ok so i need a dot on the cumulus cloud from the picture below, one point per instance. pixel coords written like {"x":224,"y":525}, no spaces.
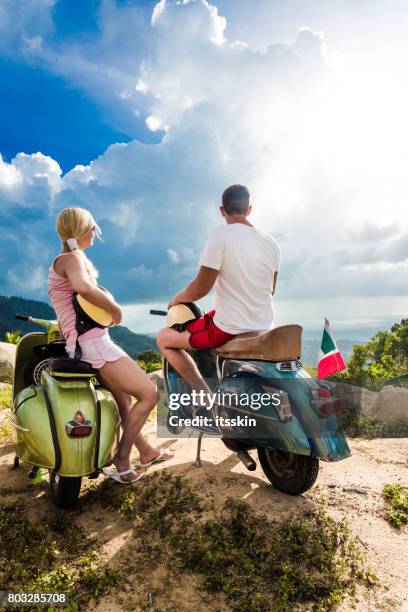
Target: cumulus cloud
{"x":277,"y":119}
{"x":29,"y":180}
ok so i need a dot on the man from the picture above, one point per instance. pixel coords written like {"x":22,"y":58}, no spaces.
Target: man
{"x":242,"y":262}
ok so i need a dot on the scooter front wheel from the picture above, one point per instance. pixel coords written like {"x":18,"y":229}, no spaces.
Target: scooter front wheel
{"x":66,"y":491}
{"x":288,"y":472}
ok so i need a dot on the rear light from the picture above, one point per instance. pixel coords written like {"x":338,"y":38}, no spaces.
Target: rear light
{"x":79,"y":427}
{"x":324,"y":403}
{"x":78,"y":431}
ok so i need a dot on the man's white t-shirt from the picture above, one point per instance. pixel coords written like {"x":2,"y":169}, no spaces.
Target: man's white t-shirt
{"x":247,"y":259}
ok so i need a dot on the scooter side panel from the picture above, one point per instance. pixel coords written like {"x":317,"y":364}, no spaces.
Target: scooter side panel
{"x":66,"y":397}
{"x":286,"y":436}
{"x":325,"y":436}
{"x":32,"y":435}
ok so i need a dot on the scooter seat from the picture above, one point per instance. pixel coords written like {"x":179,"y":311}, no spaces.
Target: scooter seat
{"x":66,"y":366}
{"x":280,"y":344}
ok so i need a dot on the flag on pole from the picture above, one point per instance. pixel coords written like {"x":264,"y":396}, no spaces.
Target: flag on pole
{"x":330,"y":359}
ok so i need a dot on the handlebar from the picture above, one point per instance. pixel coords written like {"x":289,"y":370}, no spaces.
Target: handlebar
{"x":41,"y":322}
{"x":161,"y":313}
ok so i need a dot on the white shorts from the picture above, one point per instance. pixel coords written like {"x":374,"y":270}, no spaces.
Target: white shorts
{"x":98,"y":351}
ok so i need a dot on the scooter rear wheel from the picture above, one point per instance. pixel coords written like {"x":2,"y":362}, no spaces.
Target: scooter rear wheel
{"x":66,"y":491}
{"x":290,"y":473}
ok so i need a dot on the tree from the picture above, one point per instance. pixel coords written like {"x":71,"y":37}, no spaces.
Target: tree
{"x":150,"y":356}
{"x":384,"y":356}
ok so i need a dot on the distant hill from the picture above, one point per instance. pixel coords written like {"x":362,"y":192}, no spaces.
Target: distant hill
{"x":132,"y":343}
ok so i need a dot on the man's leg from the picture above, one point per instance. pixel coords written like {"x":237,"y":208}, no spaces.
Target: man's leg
{"x":173,"y":345}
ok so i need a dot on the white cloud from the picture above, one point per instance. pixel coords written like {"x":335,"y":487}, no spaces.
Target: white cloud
{"x":29,"y":180}
{"x":173,"y":256}
{"x":28,"y":278}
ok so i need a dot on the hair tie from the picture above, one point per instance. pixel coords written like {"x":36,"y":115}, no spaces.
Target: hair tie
{"x":72,"y":243}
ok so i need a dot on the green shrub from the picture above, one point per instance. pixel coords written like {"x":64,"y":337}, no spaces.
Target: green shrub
{"x":257,"y":564}
{"x":5,"y":398}
{"x":149,"y":366}
{"x":13,"y":337}
{"x":396,"y":499}
{"x":51,"y":557}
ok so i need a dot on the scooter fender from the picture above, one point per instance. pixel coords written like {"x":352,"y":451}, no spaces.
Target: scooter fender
{"x":47,"y":411}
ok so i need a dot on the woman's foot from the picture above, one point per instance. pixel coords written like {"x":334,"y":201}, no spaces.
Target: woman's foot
{"x":154,"y":455}
{"x":125,"y":470}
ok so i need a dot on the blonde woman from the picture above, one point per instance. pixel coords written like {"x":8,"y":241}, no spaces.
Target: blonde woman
{"x":72,"y":271}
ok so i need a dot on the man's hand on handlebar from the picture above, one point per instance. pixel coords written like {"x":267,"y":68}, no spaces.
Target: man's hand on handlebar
{"x":173,"y":302}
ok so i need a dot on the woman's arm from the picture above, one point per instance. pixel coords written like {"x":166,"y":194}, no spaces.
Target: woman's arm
{"x":74,"y":268}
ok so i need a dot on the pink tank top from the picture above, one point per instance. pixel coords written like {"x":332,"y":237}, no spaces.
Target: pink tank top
{"x":60,"y":291}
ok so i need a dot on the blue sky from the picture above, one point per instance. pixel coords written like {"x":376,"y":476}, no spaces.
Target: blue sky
{"x":83,"y":134}
{"x":144,"y":111}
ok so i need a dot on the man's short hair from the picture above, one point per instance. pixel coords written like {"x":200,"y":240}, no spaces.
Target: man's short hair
{"x":235,"y":199}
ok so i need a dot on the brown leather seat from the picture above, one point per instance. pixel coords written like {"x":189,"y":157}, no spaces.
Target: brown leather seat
{"x":279,"y":344}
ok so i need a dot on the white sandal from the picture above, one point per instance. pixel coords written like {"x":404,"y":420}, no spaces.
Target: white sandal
{"x":117,"y":476}
{"x":163,"y":451}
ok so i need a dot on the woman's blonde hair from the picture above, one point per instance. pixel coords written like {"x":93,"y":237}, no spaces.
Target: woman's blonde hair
{"x":75,"y":222}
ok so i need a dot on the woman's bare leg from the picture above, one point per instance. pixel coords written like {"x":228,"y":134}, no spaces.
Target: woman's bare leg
{"x":125,"y":402}
{"x":126,"y":376}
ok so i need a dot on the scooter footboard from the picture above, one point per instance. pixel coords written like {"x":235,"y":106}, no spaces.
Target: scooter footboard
{"x":46,"y":416}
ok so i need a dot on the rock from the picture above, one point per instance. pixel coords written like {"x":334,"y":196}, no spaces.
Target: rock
{"x":368,"y":400}
{"x":391,"y":406}
{"x":157,"y":378}
{"x":7,"y":359}
{"x":356,"y":400}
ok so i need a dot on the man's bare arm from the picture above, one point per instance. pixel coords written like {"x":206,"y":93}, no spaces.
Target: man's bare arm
{"x":198,"y":288}
{"x":275,"y":278}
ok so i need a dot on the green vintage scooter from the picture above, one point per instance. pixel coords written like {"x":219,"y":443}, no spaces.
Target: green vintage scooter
{"x":63,"y":419}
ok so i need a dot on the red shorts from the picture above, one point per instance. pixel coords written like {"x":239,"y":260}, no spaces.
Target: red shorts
{"x":205,"y":334}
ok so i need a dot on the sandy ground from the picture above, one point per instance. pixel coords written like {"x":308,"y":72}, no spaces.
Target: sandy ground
{"x":351,"y":488}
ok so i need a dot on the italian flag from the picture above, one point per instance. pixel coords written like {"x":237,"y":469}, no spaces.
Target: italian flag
{"x":330,"y":359}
